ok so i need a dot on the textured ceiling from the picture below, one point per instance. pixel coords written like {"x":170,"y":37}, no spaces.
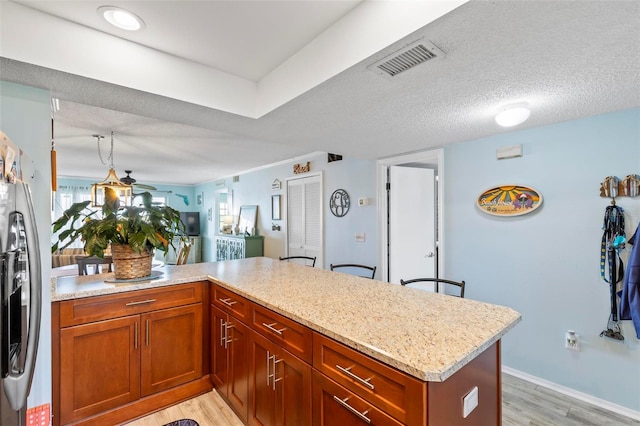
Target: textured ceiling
{"x":567,"y":59}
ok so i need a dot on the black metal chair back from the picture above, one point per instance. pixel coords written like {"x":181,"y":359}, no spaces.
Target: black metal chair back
{"x":303,"y":258}
{"x":436,"y":284}
{"x":370,"y":271}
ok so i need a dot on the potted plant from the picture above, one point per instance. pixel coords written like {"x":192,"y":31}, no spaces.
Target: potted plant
{"x":132,"y":233}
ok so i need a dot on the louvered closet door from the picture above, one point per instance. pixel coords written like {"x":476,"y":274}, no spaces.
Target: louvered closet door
{"x":304,"y":217}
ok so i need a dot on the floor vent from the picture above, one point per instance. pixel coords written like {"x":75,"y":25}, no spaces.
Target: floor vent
{"x":406,"y":58}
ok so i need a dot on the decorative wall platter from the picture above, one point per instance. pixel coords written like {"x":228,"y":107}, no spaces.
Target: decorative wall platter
{"x":509,"y":200}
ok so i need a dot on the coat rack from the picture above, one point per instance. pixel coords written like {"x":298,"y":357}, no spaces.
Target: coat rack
{"x":612,"y":187}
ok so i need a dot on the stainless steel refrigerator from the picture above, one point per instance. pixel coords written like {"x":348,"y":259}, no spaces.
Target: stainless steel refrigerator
{"x":20,"y":305}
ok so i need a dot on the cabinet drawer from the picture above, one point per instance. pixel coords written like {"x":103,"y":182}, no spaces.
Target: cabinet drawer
{"x":294,"y":337}
{"x":230,"y":302}
{"x":90,"y":309}
{"x":393,"y":391}
{"x":335,"y":405}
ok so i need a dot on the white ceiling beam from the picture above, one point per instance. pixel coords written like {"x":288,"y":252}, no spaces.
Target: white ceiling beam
{"x":375,"y":24}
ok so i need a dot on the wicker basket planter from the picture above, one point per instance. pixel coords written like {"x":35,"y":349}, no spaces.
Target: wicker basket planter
{"x":127,"y":264}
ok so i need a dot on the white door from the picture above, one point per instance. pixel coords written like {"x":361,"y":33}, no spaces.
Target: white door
{"x":304,"y":217}
{"x":412,"y":239}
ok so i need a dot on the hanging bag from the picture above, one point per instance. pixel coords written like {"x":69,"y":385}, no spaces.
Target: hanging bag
{"x":613,"y":241}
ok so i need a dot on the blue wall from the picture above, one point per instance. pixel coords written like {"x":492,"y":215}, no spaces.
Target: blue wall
{"x":546,"y":264}
{"x":357,"y":177}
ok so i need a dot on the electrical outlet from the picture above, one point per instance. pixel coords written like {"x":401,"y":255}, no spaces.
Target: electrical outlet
{"x":360,"y":237}
{"x":571,"y":341}
{"x":470,"y":402}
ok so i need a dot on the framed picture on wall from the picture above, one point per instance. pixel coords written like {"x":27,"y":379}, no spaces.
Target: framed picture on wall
{"x":275,"y":207}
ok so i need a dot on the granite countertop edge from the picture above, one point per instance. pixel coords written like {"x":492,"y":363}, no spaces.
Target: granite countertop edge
{"x":230,"y":275}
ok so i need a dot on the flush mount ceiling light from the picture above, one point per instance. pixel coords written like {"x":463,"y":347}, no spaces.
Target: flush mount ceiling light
{"x":121,"y":18}
{"x":513,"y":115}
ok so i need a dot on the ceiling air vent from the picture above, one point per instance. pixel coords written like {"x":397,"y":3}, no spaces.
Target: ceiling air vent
{"x":406,"y":58}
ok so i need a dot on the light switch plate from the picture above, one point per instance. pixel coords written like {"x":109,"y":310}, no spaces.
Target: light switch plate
{"x":360,"y":237}
{"x":470,"y":402}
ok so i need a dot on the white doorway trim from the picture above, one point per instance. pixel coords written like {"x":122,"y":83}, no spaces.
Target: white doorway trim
{"x":434,"y":158}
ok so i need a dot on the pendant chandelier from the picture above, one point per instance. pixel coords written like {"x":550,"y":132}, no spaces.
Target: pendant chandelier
{"x":123,"y":191}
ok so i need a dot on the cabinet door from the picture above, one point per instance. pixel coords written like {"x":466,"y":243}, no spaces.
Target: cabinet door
{"x":262,"y":398}
{"x":280,"y":386}
{"x":334,"y":405}
{"x":230,"y":360}
{"x":293,"y":390}
{"x":171,"y":348}
{"x":219,"y":353}
{"x":99,"y":367}
{"x":238,"y":372}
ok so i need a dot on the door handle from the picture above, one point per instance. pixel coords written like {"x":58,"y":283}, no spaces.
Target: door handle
{"x":268,"y":367}
{"x":223,"y":337}
{"x":275,"y":380}
{"x":430,"y":254}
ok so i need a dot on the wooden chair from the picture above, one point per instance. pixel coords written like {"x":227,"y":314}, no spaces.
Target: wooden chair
{"x":436,"y":284}
{"x":368,"y":270}
{"x":97,"y":262}
{"x":183,"y":252}
{"x":305,"y":259}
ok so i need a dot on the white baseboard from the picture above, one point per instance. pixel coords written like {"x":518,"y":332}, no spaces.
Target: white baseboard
{"x":607,"y":405}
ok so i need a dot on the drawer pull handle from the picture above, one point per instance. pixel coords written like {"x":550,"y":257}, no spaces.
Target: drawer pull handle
{"x":142,"y":302}
{"x":357,"y":378}
{"x":228,"y":301}
{"x":361,"y":416}
{"x":272,"y":328}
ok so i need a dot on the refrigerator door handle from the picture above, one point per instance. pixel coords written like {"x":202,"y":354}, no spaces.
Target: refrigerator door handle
{"x":17,"y":387}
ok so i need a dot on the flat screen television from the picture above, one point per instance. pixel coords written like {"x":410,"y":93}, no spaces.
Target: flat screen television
{"x":192,"y":222}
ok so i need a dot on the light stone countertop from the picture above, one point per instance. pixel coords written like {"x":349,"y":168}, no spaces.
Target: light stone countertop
{"x":429,"y":336}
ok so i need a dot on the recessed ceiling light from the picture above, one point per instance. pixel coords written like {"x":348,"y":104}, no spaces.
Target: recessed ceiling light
{"x":513,"y":115}
{"x":121,"y":18}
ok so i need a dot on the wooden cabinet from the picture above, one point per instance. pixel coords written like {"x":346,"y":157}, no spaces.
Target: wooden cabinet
{"x":229,"y":247}
{"x":229,"y":360}
{"x":335,"y":405}
{"x":396,"y":393}
{"x":116,"y":351}
{"x":171,"y":348}
{"x":292,"y":336}
{"x":275,"y":371}
{"x":280,"y":385}
{"x":100,"y":367}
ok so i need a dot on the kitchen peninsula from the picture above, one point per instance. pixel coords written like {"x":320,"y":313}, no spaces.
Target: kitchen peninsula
{"x":332,"y":346}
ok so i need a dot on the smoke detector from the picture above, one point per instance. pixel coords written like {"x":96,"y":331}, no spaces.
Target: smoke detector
{"x":406,"y":58}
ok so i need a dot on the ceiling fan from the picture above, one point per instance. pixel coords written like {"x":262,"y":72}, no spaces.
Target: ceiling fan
{"x":131,"y":181}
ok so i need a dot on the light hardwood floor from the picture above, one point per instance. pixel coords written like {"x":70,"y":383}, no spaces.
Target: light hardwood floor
{"x":523,"y":403}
